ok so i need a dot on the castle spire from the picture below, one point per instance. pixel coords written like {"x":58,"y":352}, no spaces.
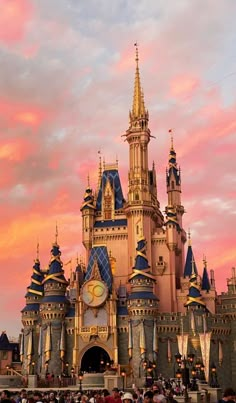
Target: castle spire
{"x":137,"y":100}
{"x":56,"y":235}
{"x":138,"y":108}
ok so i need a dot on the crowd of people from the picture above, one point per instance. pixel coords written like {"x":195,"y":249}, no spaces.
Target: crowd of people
{"x":159,"y":393}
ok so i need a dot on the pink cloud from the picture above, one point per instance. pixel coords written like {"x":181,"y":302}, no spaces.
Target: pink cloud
{"x":14,"y":17}
{"x":183,"y":86}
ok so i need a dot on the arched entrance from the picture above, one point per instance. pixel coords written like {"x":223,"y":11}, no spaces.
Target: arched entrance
{"x":95,"y":360}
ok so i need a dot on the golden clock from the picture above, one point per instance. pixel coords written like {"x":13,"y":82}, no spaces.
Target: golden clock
{"x":94,"y":293}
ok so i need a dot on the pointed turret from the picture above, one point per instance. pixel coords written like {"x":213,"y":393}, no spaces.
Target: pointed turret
{"x":189,"y":259}
{"x":34,"y":294}
{"x":194,"y":295}
{"x":55,"y":285}
{"x":205,"y":278}
{"x":53,"y":308}
{"x":173,"y":182}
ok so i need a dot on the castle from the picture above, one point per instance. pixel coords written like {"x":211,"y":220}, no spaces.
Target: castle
{"x":137,"y":303}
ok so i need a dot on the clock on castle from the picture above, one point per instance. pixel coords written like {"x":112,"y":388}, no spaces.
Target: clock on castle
{"x":137,"y":301}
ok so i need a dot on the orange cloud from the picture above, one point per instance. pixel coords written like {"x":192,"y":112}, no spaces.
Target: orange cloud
{"x":29,"y":118}
{"x":16,"y":150}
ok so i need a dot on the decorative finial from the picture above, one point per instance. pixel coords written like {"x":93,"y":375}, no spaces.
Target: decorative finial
{"x":88,"y":182}
{"x":136,"y":53}
{"x":171,"y":139}
{"x":204,"y":261}
{"x":77,"y":259}
{"x":56,"y":234}
{"x":189,"y":237}
{"x":37,"y":251}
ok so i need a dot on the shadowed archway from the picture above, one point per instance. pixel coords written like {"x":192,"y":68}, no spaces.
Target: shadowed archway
{"x":95,"y":360}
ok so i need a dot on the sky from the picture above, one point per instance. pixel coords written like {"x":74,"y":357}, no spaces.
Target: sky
{"x":66,"y":85}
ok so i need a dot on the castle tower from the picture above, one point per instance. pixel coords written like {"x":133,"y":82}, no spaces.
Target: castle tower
{"x":142,"y":306}
{"x":88,"y":210}
{"x":142,"y":207}
{"x":176,"y":236}
{"x":30,"y":318}
{"x":53,"y":309}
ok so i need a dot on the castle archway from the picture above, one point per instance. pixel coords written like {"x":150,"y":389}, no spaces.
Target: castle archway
{"x":95,"y":359}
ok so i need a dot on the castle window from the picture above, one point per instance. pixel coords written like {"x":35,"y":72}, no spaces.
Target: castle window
{"x":107,"y":207}
{"x":160,"y":258}
{"x":137,"y":230}
{"x":172,"y":185}
{"x":136,"y":196}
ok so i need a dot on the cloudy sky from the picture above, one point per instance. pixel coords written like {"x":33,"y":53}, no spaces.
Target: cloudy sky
{"x":66,"y":83}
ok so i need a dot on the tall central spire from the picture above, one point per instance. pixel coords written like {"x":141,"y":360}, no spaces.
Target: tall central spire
{"x":138,"y":109}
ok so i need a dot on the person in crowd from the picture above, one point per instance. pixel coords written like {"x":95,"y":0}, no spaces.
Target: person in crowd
{"x":5,"y":396}
{"x":37,"y":397}
{"x":148,"y":397}
{"x":22,"y":397}
{"x":114,"y":397}
{"x":127,"y":398}
{"x":228,"y":396}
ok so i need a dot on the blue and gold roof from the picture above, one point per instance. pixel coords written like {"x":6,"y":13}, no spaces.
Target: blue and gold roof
{"x":36,"y":287}
{"x":188,"y":263}
{"x":171,"y":217}
{"x":194,"y":296}
{"x":173,"y":167}
{"x":55,"y":272}
{"x":111,"y":175}
{"x":141,"y":271}
{"x":88,"y":202}
{"x":205,"y":280}
{"x":99,"y":253}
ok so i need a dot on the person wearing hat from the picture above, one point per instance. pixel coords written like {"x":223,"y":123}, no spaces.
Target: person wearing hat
{"x":127,"y":398}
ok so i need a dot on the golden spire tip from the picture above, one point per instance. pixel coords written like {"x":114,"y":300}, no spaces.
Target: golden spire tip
{"x":37,"y":251}
{"x":189,"y":237}
{"x":56,"y":234}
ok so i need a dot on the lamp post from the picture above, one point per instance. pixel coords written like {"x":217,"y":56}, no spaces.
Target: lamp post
{"x":194,"y":386}
{"x":145,"y":371}
{"x":80,"y":380}
{"x":185,"y":371}
{"x":33,"y":367}
{"x":123,"y":374}
{"x":202,"y":373}
{"x":7,"y":368}
{"x":214,"y":381}
{"x":178,"y":376}
{"x":102,"y":365}
{"x":67,"y":367}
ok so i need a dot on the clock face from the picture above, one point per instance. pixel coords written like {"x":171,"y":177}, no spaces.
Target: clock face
{"x":94,"y":293}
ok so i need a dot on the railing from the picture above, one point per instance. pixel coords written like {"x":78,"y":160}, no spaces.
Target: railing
{"x":59,"y":382}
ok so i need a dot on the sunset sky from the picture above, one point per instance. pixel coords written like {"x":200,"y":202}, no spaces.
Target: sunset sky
{"x":66,"y":85}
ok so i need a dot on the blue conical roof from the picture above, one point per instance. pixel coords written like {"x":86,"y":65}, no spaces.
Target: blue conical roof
{"x":55,"y":272}
{"x":36,"y":287}
{"x":189,"y":263}
{"x":205,"y":280}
